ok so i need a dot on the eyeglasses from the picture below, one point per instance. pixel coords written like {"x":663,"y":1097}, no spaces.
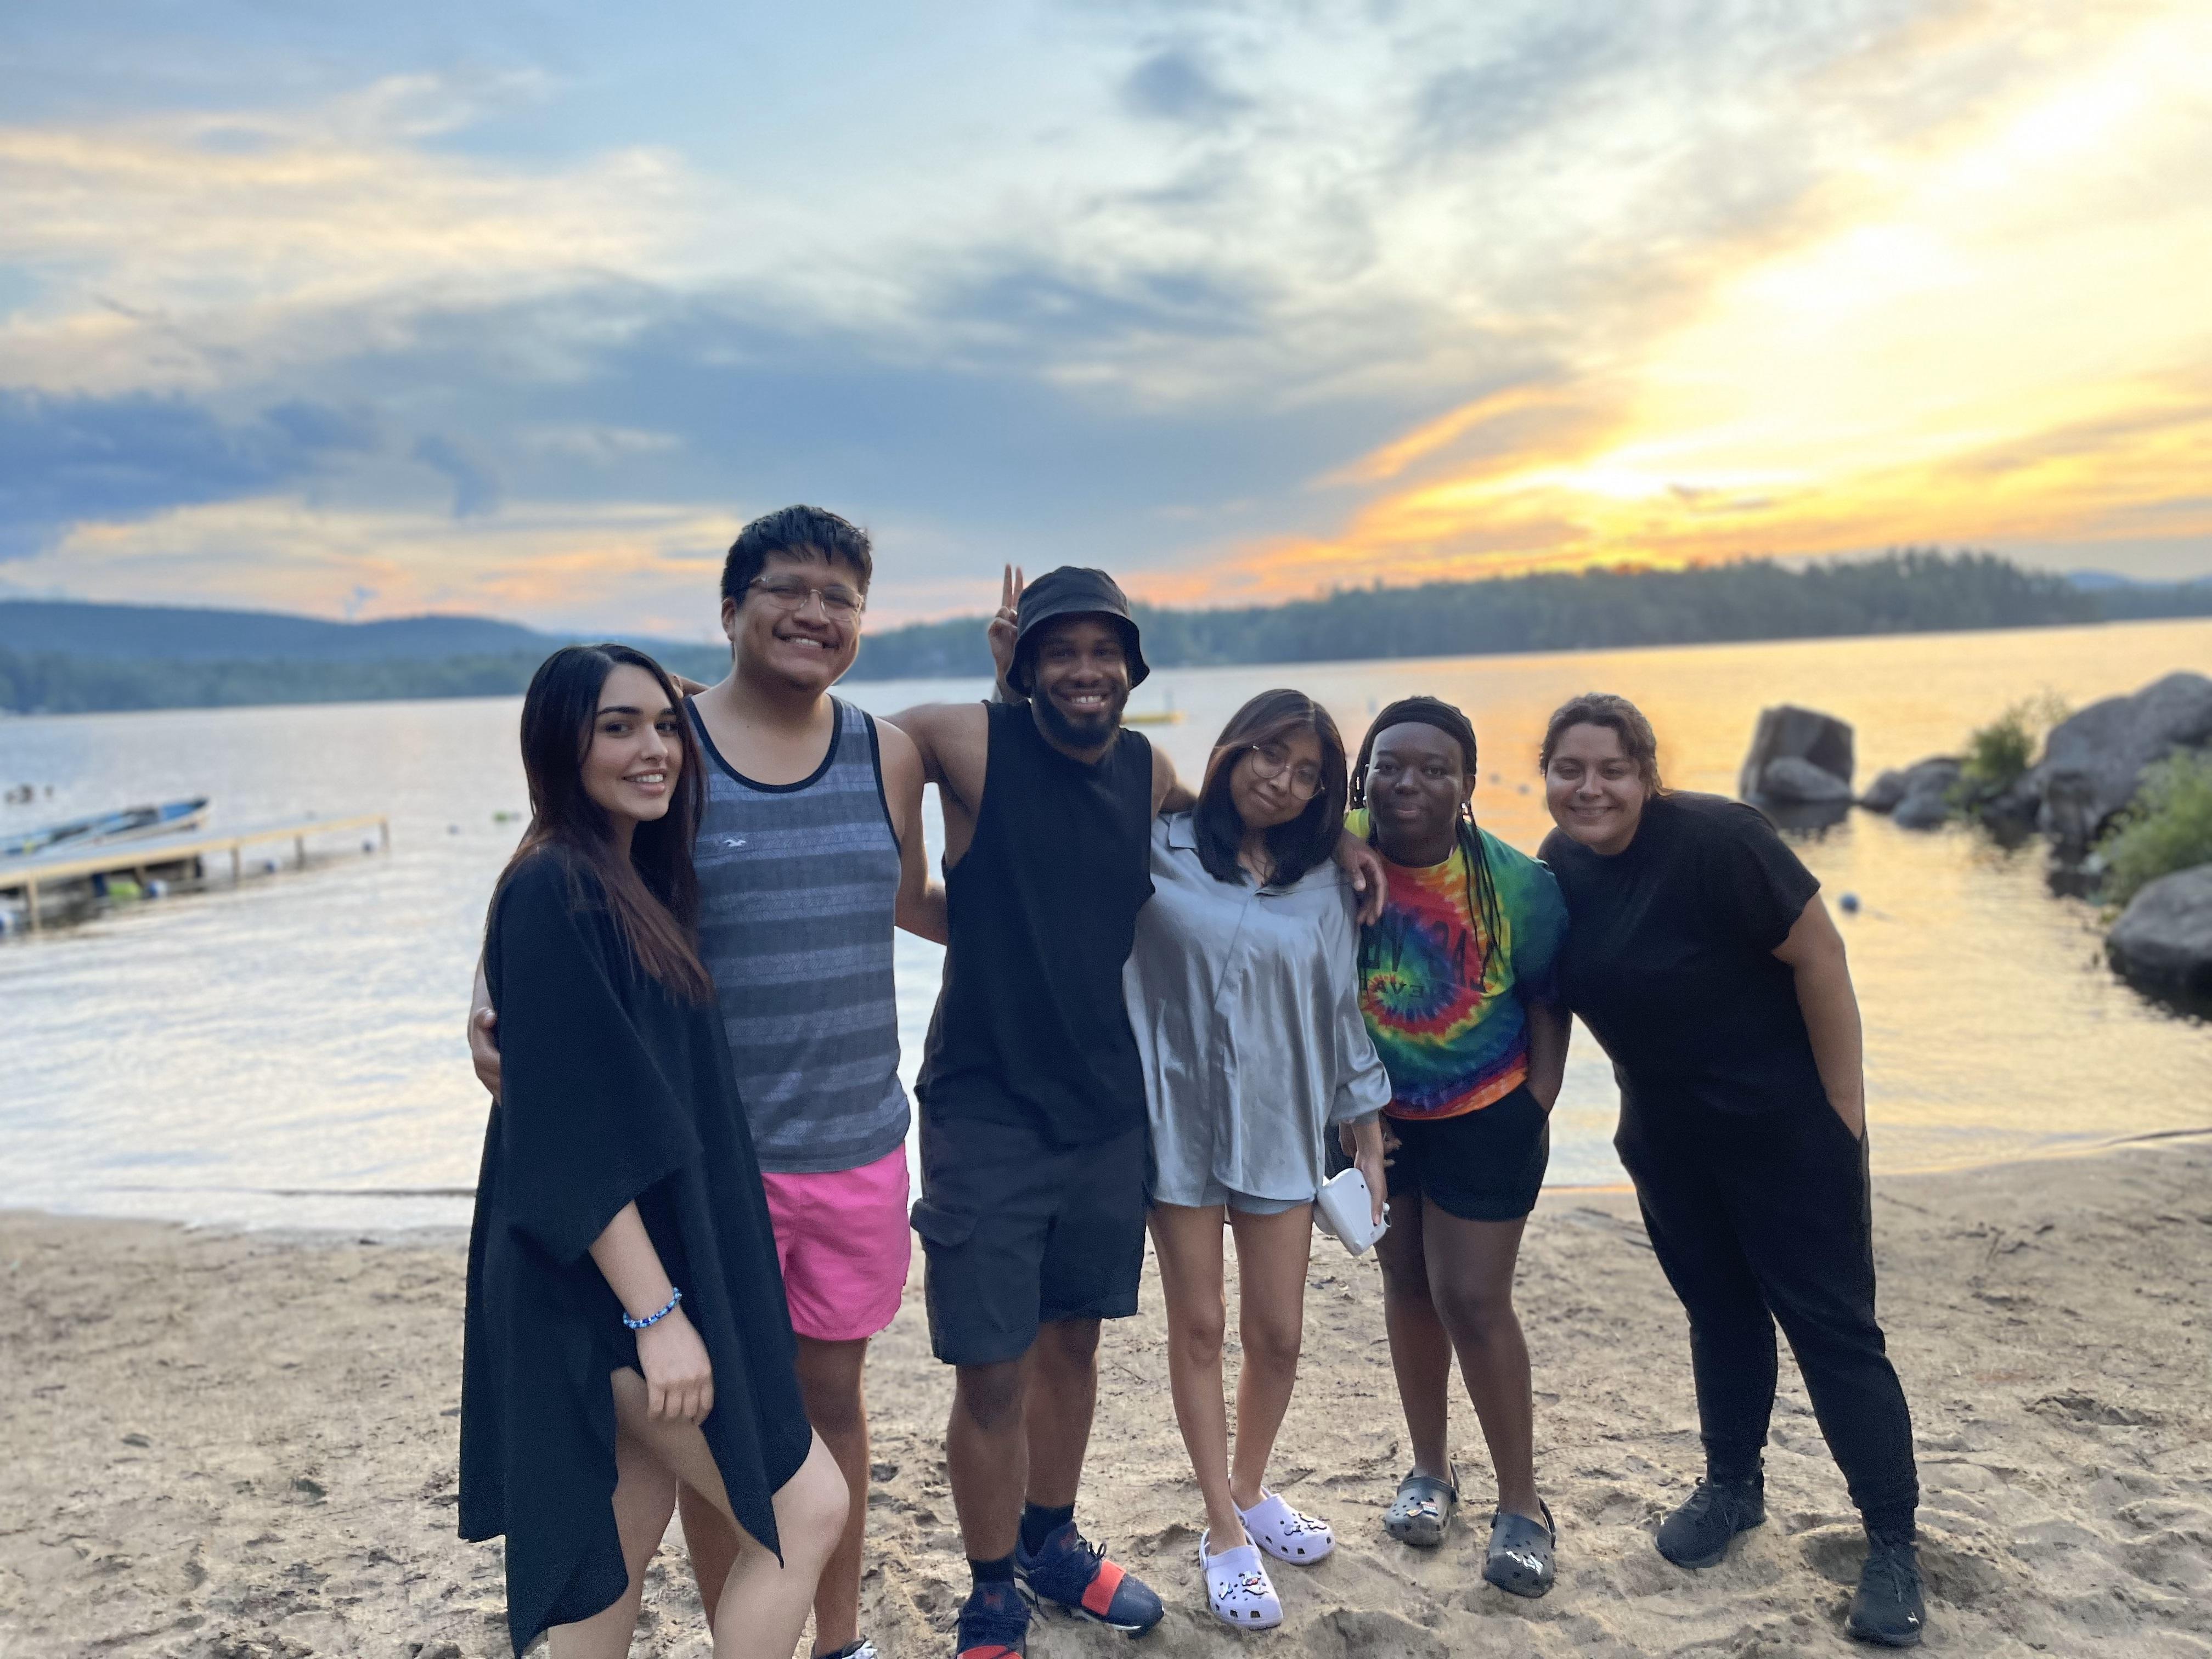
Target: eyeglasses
{"x":1271,"y":760}
{"x":839,"y":602}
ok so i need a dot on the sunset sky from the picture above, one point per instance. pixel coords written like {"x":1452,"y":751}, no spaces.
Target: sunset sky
{"x":382,"y":310}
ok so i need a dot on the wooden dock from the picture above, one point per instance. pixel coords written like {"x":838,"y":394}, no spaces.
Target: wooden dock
{"x":136,"y":858}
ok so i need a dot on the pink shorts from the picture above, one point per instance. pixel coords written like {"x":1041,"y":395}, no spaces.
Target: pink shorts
{"x":841,"y":1239}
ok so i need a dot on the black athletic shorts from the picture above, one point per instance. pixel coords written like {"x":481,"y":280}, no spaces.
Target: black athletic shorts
{"x":1018,"y":1232}
{"x":1483,"y":1165}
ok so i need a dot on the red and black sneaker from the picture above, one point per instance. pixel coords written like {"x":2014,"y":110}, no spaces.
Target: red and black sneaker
{"x":993,"y":1625}
{"x":1075,"y":1575}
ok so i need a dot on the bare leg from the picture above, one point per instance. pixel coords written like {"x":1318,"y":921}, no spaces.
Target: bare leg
{"x":1062,"y":1398}
{"x":1420,"y":1350}
{"x":987,"y":1455}
{"x":763,"y":1603}
{"x":1471,"y":1281}
{"x":1187,"y":1240}
{"x":645,"y":1495}
{"x":713,"y":1540}
{"x":1271,"y":1254}
{"x":830,"y":1376}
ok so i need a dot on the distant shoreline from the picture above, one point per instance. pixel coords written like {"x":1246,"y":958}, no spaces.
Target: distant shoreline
{"x":322,"y":683}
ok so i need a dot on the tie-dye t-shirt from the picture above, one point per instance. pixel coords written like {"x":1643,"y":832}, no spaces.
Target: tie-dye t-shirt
{"x":1451,"y":1042}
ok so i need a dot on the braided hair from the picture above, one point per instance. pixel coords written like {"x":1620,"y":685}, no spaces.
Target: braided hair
{"x":1482,"y":900}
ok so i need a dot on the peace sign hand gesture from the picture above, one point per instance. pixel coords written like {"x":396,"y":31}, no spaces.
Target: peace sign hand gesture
{"x":1004,"y":628}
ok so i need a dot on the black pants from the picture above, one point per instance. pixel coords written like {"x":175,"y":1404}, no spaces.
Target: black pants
{"x":1763,"y":1219}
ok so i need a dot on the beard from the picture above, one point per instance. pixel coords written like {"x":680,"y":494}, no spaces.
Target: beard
{"x":1078,"y":732}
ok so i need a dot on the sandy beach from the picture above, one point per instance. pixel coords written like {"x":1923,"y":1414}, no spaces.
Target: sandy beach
{"x":241,"y":1446}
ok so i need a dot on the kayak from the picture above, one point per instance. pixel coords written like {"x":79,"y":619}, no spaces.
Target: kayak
{"x":128,"y":824}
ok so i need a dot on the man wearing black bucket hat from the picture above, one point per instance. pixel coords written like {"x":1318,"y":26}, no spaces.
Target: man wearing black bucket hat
{"x":1033,"y":1153}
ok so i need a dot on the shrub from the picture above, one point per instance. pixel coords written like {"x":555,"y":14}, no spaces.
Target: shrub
{"x":2167,"y":827}
{"x":1998,"y":753}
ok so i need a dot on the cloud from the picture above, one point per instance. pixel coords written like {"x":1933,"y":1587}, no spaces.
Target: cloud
{"x":64,"y":459}
{"x":647,"y":565}
{"x":475,"y":488}
{"x":1174,"y":83}
{"x":1231,"y":299}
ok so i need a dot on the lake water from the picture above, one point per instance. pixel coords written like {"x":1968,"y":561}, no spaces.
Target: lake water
{"x":290,"y":1051}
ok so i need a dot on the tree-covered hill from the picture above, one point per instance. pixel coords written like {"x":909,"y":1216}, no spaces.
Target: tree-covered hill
{"x":264,"y":658}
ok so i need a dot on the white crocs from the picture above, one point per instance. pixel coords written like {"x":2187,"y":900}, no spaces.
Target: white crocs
{"x":1237,"y":1588}
{"x":1276,"y":1527}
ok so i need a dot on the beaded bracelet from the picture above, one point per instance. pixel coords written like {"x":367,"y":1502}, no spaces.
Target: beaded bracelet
{"x":674,"y":1297}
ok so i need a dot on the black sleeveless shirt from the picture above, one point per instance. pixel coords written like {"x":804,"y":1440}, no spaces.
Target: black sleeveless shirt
{"x":1031,"y":1029}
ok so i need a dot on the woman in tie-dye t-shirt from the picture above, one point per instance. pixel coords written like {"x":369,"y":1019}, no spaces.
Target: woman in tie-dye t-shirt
{"x":1456,"y":981}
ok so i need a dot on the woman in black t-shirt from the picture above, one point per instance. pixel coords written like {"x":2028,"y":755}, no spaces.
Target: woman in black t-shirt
{"x":1701,"y":958}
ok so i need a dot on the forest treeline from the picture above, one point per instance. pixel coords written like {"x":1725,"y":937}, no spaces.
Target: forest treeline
{"x":1908,"y":592}
{"x":1912,"y":591}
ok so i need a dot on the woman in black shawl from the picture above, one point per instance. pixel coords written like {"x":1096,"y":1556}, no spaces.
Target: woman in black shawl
{"x":627,"y":1329}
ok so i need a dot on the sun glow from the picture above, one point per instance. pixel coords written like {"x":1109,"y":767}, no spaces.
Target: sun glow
{"x":2011,"y":346}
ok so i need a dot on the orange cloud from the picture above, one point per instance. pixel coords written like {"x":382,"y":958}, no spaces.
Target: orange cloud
{"x":2006,"y":344}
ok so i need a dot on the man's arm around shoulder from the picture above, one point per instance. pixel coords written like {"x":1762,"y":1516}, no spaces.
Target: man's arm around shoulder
{"x":940,"y":730}
{"x":921,"y":900}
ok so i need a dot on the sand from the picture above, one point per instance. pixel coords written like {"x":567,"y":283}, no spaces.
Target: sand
{"x":242,"y":1447}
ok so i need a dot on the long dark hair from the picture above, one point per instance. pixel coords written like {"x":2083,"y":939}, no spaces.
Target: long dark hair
{"x":653,"y":895}
{"x":1482,"y":901}
{"x":1293,"y":847}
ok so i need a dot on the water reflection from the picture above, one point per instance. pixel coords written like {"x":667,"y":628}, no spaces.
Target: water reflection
{"x":275,"y":1053}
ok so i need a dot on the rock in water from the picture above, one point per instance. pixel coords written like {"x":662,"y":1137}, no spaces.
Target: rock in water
{"x":2163,"y":939}
{"x":1806,"y":734}
{"x":1933,"y":777}
{"x":1788,"y":779}
{"x":1888,"y":789}
{"x":2093,"y":762}
{"x":1923,"y":809}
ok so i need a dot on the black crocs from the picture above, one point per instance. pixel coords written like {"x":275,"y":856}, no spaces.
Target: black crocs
{"x":1519,"y":1561}
{"x":1422,"y":1509}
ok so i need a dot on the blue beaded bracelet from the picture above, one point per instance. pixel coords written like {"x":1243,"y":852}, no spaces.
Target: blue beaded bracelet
{"x":674,"y":1297}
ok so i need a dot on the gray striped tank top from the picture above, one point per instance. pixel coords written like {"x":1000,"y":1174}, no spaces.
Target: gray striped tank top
{"x":798,"y":889}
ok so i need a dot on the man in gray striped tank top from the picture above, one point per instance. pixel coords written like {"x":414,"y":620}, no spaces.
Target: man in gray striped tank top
{"x":809,"y":853}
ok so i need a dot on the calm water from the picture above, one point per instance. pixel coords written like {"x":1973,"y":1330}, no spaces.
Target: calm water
{"x":291,"y":1051}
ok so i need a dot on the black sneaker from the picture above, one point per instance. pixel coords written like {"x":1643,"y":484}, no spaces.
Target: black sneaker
{"x":1696,"y":1533}
{"x":1887,"y":1609}
{"x":994,"y":1623}
{"x":1074,"y":1574}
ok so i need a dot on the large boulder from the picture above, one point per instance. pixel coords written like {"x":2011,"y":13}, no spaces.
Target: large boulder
{"x":1799,"y":782}
{"x":2163,"y":939}
{"x":2093,"y":762}
{"x":1789,"y":732}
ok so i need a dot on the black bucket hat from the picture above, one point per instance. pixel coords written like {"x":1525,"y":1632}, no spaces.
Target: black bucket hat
{"x":1074,"y":591}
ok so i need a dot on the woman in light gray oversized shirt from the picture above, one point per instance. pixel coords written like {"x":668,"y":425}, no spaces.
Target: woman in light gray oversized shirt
{"x":1242,"y":994}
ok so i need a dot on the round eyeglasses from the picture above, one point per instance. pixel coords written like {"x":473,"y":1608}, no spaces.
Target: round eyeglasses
{"x":1271,"y":760}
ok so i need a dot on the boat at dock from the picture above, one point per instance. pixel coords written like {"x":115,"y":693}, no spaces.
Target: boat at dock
{"x":71,"y":876}
{"x":102,"y":828}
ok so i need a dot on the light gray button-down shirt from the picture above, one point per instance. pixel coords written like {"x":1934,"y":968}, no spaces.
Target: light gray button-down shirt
{"x":1245,"y":1004}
